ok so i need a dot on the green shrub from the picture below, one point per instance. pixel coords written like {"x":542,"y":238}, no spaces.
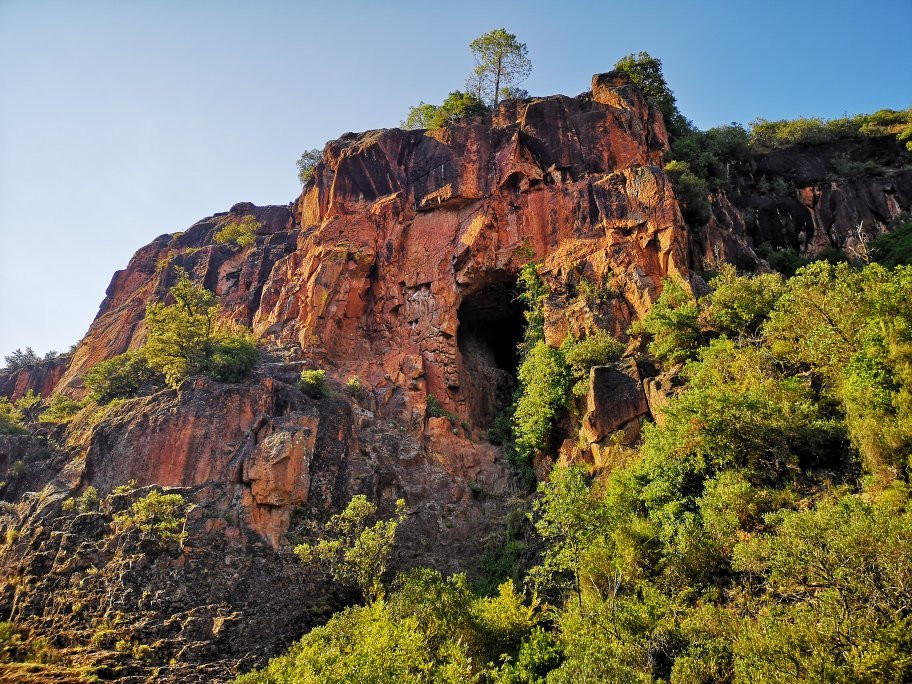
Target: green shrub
{"x":598,"y":349}
{"x":162,"y":516}
{"x":834,"y":596}
{"x":692,"y":193}
{"x":313,"y":382}
{"x":28,"y":401}
{"x":434,"y":409}
{"x":10,"y":418}
{"x":19,"y":359}
{"x":544,"y":381}
{"x":17,"y":468}
{"x":673,"y":322}
{"x":895,"y":248}
{"x":234,"y":356}
{"x":86,"y":502}
{"x":430,"y":629}
{"x":646,"y":72}
{"x":306,"y":163}
{"x":184,"y":338}
{"x":122,"y":376}
{"x":354,"y":385}
{"x":738,"y":305}
{"x":709,"y":155}
{"x":785,"y":260}
{"x":532,"y":293}
{"x":60,"y":409}
{"x":814,"y":130}
{"x":240,"y":231}
{"x":354,"y":552}
{"x":458,"y":105}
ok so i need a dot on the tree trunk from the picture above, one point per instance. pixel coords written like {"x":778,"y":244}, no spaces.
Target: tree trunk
{"x":497,"y":81}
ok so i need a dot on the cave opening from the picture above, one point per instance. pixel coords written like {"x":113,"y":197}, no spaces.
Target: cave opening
{"x":491,"y":326}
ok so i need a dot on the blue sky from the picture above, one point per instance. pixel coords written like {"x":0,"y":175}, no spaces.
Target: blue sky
{"x":120,"y":121}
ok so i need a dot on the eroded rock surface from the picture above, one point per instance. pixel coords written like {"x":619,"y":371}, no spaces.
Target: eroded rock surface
{"x":396,"y":265}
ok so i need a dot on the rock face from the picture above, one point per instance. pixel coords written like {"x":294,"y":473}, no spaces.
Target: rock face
{"x":808,"y":198}
{"x":397,"y":265}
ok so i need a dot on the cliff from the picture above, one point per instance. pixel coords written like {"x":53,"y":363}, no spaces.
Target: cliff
{"x":397,"y":264}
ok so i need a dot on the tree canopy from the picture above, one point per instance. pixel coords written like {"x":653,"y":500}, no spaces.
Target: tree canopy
{"x":501,"y":63}
{"x":307,"y":162}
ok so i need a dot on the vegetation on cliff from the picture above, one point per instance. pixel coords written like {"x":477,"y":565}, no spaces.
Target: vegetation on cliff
{"x":501,"y":64}
{"x":762,"y":530}
{"x":182,"y":339}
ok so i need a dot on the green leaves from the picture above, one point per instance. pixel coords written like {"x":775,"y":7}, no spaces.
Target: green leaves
{"x":307,"y":163}
{"x":544,"y":381}
{"x":162,"y":516}
{"x":458,"y":105}
{"x":501,"y":62}
{"x":240,"y":231}
{"x":354,"y":552}
{"x":673,"y":322}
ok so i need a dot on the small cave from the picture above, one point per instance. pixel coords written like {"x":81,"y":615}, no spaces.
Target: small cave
{"x":491,"y":326}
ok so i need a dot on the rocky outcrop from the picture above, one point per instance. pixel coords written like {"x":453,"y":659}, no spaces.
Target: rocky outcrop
{"x":42,"y":378}
{"x":809,"y":198}
{"x":397,"y":265}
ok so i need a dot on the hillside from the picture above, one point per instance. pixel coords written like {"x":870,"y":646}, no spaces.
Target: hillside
{"x":540,"y":253}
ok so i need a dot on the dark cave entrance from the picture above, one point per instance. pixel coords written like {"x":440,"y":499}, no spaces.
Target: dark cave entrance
{"x":491,"y":326}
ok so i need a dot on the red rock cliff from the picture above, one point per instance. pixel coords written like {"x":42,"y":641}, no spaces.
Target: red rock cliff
{"x":400,"y":256}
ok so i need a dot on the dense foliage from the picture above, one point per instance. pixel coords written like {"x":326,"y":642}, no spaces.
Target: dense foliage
{"x":646,"y":73}
{"x":240,"y":231}
{"x":760,"y":532}
{"x":355,"y":552}
{"x":183,"y":338}
{"x":814,"y":130}
{"x":458,"y":105}
{"x":548,"y":378}
{"x":162,"y":517}
{"x":895,"y":247}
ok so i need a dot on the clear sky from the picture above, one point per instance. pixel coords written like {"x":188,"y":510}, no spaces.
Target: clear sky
{"x":120,"y":121}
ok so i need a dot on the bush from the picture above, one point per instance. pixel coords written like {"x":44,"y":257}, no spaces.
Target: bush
{"x":785,"y":260}
{"x":10,"y":418}
{"x":646,"y":72}
{"x":354,"y":552}
{"x":833,"y":589}
{"x":354,"y":385}
{"x":313,"y":383}
{"x":234,"y":357}
{"x":242,"y":231}
{"x":673,"y":323}
{"x":598,"y":349}
{"x":22,"y":359}
{"x":86,"y":502}
{"x":895,"y":248}
{"x":122,"y":376}
{"x":814,"y":130}
{"x":430,"y":629}
{"x":708,"y":155}
{"x":307,"y":163}
{"x":60,"y":409}
{"x":738,"y":305}
{"x":184,"y":339}
{"x":162,"y":516}
{"x":434,"y":409}
{"x":544,"y":381}
{"x":458,"y":105}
